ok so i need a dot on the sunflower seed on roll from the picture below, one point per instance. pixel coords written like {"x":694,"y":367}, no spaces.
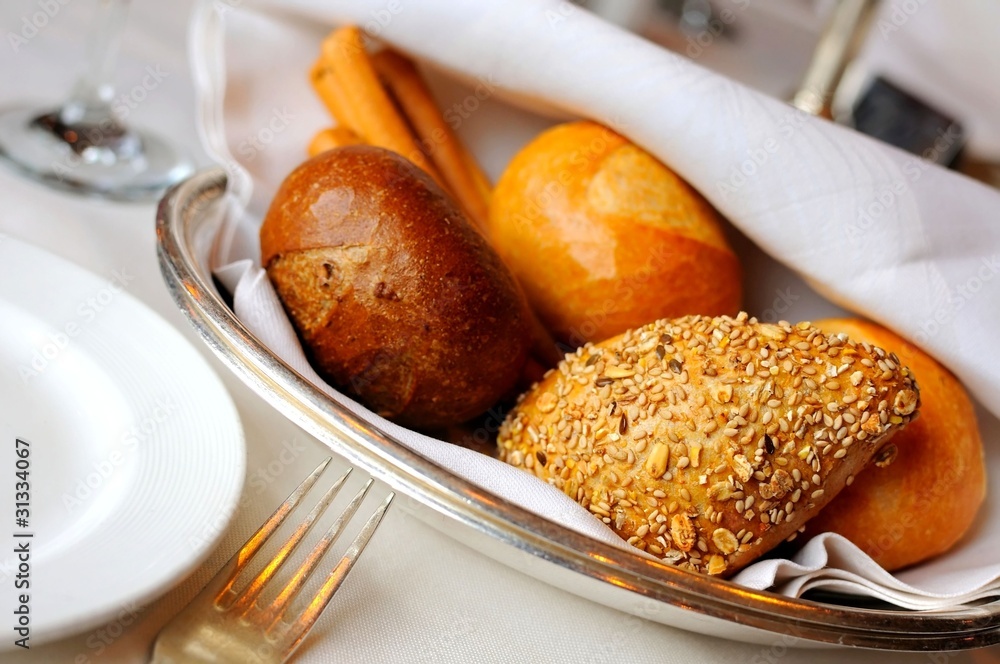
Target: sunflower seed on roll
{"x":706,"y":441}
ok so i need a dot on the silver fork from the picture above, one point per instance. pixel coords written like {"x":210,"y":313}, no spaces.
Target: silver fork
{"x":222,"y":625}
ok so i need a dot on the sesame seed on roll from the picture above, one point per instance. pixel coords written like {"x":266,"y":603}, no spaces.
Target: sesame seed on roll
{"x":705,"y":441}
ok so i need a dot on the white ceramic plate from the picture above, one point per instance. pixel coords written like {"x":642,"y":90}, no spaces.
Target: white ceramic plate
{"x":136,"y":454}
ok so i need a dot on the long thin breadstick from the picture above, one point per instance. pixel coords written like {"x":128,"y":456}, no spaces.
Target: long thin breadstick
{"x":347,"y":82}
{"x":378,"y":121}
{"x":333,"y":96}
{"x":437,"y":139}
{"x":456,"y":164}
{"x":334,"y":137}
{"x":478,"y":176}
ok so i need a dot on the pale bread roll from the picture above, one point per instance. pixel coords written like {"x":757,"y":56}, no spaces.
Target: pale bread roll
{"x":922,"y":503}
{"x":604,"y":237}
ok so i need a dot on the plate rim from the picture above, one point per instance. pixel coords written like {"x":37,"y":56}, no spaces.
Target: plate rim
{"x":184,"y":213}
{"x":198,"y":546}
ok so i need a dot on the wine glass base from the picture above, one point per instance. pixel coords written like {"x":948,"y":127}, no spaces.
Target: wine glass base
{"x":137,"y":174}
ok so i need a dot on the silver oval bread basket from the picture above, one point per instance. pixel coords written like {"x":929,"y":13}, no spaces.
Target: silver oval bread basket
{"x":188,"y":219}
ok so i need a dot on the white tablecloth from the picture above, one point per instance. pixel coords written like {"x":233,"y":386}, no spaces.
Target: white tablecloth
{"x":431,"y":600}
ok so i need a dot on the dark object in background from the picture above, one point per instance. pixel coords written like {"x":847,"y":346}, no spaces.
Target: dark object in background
{"x":896,"y":117}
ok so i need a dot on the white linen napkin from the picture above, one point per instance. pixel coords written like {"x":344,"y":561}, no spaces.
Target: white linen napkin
{"x":873,"y":229}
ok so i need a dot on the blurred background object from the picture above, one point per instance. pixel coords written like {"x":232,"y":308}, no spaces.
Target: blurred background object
{"x":921,"y":76}
{"x":845,"y":31}
{"x":891,"y":114}
{"x":944,"y":53}
{"x":766,"y":44}
{"x":84,"y":145}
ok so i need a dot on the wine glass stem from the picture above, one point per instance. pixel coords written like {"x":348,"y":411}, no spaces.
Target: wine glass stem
{"x":90,"y":101}
{"x":84,"y":145}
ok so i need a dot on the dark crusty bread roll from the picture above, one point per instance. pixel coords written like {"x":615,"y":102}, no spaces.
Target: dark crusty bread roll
{"x":925,"y":500}
{"x":396,"y":297}
{"x":708,"y":441}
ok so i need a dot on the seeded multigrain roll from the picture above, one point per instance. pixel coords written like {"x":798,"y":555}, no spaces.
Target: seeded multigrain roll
{"x":708,"y":441}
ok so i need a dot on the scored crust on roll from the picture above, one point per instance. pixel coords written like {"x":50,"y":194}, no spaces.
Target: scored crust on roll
{"x":708,"y":441}
{"x":397,"y":299}
{"x":605,"y":238}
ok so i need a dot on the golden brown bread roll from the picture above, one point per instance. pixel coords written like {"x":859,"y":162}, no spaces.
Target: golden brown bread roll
{"x":604,"y":238}
{"x":708,"y":441}
{"x":922,"y":503}
{"x":396,"y":298}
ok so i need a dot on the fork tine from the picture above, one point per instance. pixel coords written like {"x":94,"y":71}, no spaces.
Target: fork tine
{"x":255,"y":587}
{"x":273,"y":613}
{"x":300,"y":628}
{"x":259,"y":538}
